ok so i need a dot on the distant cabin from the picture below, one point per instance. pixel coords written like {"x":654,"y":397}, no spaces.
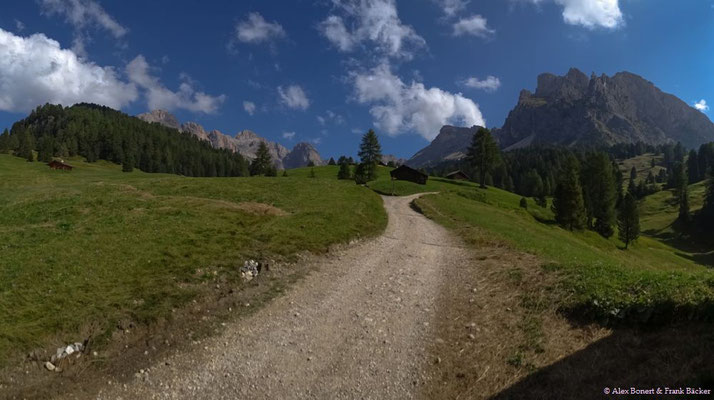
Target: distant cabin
{"x":458,"y":175}
{"x":59,"y":164}
{"x":404,"y":173}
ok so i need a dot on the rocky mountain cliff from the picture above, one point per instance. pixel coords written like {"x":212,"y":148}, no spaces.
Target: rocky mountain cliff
{"x":450,"y":144}
{"x":575,"y":110}
{"x":301,"y":155}
{"x":245,"y":142}
{"x":162,"y":117}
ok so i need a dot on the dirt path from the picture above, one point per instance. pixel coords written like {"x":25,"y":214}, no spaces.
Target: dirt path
{"x":357,"y":328}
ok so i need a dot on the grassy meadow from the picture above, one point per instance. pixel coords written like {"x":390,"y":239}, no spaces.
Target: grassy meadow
{"x":652,"y":281}
{"x":94,"y":246}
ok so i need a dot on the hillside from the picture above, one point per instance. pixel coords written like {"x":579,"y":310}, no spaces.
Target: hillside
{"x":102,"y":133}
{"x":87,"y":251}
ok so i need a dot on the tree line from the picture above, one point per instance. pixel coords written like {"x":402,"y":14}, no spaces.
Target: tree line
{"x":97,"y":132}
{"x":587,"y":190}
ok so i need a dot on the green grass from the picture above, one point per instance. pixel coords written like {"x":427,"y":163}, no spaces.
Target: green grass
{"x":96,"y":245}
{"x":643,"y":164}
{"x":659,"y":211}
{"x":650,"y":282}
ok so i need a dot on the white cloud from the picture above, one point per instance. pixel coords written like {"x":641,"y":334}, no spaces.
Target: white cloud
{"x":83,"y":14}
{"x":357,"y":130}
{"x":451,"y":7}
{"x":316,"y":140}
{"x":374,"y":21}
{"x":335,"y":31}
{"x":249,"y":107}
{"x":35,"y":70}
{"x":590,"y":13}
{"x":475,"y":25}
{"x":398,"y":107}
{"x":701,"y":105}
{"x":257,"y":30}
{"x":19,"y":26}
{"x":490,"y":84}
{"x":159,"y":97}
{"x":288,"y":135}
{"x":294,"y":97}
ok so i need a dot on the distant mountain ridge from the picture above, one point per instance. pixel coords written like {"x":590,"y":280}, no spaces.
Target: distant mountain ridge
{"x":576,"y":110}
{"x":245,"y":142}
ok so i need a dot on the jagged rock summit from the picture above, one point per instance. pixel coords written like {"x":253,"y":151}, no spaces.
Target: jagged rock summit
{"x":577,"y":110}
{"x":162,"y":117}
{"x":244,"y":142}
{"x":302,"y":154}
{"x":450,"y":144}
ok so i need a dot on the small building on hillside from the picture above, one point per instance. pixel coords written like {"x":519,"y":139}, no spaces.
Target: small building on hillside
{"x":404,"y":173}
{"x":59,"y":164}
{"x":458,"y":175}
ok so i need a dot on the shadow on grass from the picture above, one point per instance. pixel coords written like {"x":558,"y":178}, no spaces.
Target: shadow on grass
{"x":677,"y":356}
{"x":687,"y":238}
{"x":706,"y":259}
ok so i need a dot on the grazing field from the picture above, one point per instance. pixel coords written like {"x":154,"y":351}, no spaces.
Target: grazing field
{"x":83,"y":250}
{"x":649,"y":282}
{"x":541,"y":312}
{"x":643,"y":165}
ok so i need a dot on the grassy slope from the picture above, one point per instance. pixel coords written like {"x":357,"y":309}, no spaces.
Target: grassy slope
{"x":598,"y":277}
{"x":97,"y":245}
{"x":643,"y":165}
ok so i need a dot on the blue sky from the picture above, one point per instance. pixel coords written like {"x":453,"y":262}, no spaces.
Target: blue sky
{"x":325,"y":71}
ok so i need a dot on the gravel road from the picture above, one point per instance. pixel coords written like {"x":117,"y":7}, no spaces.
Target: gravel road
{"x":356,"y":328}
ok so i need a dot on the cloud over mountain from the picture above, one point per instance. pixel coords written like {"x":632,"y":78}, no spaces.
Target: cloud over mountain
{"x":398,"y":107}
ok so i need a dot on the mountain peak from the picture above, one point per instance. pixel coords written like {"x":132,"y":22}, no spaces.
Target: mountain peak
{"x":575,"y":110}
{"x":245,"y":142}
{"x":162,"y":117}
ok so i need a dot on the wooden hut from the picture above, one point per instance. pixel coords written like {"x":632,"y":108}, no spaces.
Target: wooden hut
{"x":404,"y":173}
{"x":59,"y":164}
{"x":458,"y":175}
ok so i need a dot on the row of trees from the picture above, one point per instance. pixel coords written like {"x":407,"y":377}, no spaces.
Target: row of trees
{"x":586,"y":192}
{"x":97,"y":132}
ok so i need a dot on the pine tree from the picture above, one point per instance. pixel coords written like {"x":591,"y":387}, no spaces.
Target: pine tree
{"x":331,"y":162}
{"x":360,"y":175}
{"x":344,"y":172}
{"x":262,"y":162}
{"x":684,"y":213}
{"x":285,"y":172}
{"x":693,"y":167}
{"x":312,"y":173}
{"x":128,"y":163}
{"x":599,"y":193}
{"x":706,"y":215}
{"x":682,"y":193}
{"x":370,"y":153}
{"x":628,"y":220}
{"x":26,"y":145}
{"x":568,"y":200}
{"x":483,"y":154}
{"x":45,"y":150}
{"x":523,"y":203}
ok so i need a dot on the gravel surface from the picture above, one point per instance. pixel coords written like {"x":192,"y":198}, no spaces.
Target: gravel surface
{"x":356,"y":328}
